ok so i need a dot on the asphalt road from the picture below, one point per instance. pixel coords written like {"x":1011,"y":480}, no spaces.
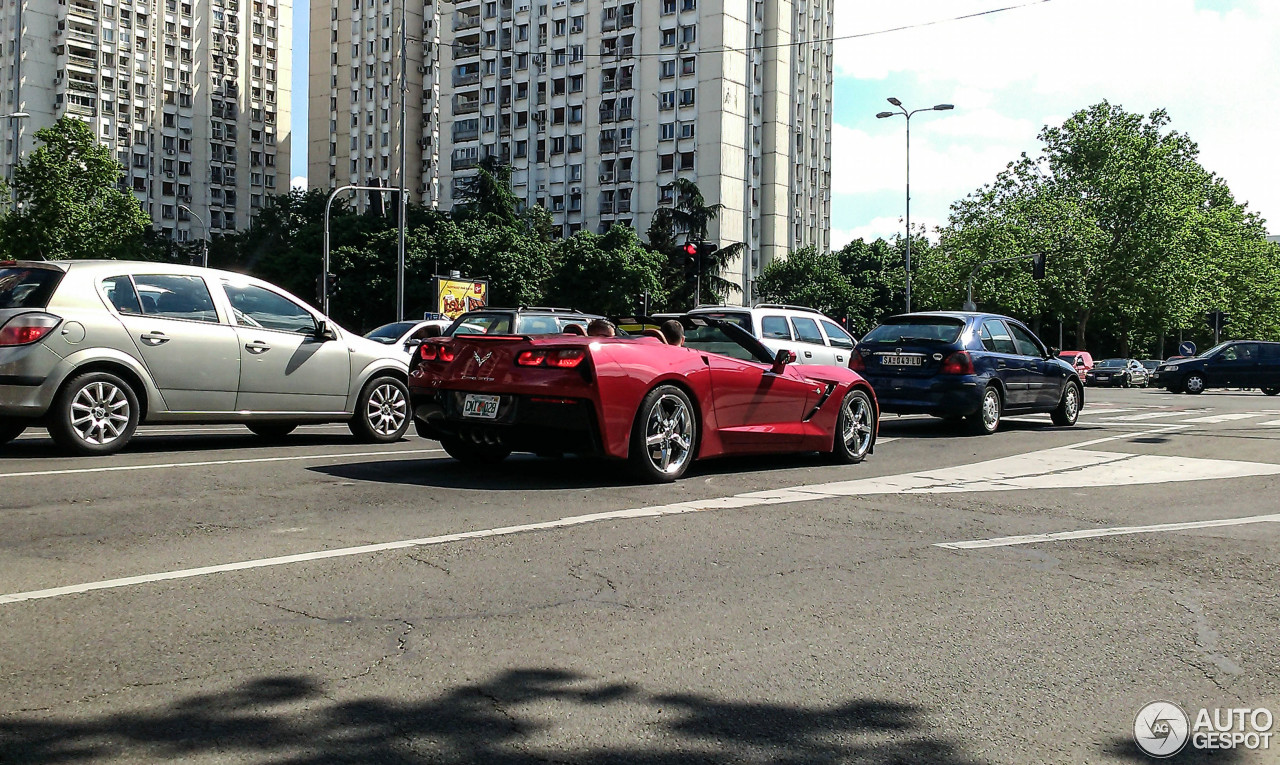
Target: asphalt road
{"x":204,"y":597}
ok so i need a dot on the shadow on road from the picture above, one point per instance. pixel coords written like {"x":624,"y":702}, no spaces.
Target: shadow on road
{"x":29,"y":448}
{"x":526,"y":472}
{"x":1125,"y":750}
{"x":291,"y":719}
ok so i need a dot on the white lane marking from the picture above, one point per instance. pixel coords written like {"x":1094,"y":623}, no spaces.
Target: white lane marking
{"x":1114,"y":531}
{"x":1223,"y":418}
{"x":1034,"y":470}
{"x":1270,"y":424}
{"x":1155,"y":415}
{"x":209,"y":463}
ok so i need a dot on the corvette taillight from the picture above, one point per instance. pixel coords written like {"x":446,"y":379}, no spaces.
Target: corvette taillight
{"x":958,"y":363}
{"x":436,"y":352}
{"x":565,"y":358}
{"x":857,"y":363}
{"x":27,"y":328}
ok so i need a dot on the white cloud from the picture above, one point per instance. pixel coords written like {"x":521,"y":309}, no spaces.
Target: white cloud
{"x":299,"y":182}
{"x":1216,"y":69}
{"x":961,"y":161}
{"x":885,"y":227}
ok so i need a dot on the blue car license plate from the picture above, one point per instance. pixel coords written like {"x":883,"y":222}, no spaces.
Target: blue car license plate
{"x":900,"y":361}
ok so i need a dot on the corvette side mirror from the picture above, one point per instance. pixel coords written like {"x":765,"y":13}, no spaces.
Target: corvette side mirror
{"x":782,"y":359}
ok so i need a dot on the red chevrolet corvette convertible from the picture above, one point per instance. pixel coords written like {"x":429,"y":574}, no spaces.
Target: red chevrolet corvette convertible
{"x":658,"y":406}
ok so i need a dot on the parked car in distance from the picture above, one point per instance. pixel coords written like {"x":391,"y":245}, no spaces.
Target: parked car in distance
{"x":815,"y":338}
{"x":1081,"y":361}
{"x":401,"y":334}
{"x":658,"y":406}
{"x":92,"y":348}
{"x":525,"y":320}
{"x":1151,"y":365}
{"x":1117,"y":372}
{"x":972,"y":366}
{"x":1233,"y":364}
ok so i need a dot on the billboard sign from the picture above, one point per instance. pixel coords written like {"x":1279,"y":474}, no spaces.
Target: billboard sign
{"x":456,"y":296}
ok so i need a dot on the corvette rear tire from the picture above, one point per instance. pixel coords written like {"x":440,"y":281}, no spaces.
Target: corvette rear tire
{"x":855,"y":429}
{"x":473,"y":453}
{"x":664,"y":436}
{"x":1068,"y":410}
{"x":1271,"y":391}
{"x":986,"y":420}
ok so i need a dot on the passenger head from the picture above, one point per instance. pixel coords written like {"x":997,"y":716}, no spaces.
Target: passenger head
{"x":601,"y":328}
{"x":673,"y":331}
{"x":575,"y":329}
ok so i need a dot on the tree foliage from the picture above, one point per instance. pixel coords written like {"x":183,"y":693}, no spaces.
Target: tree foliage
{"x":687,"y":220}
{"x":68,"y":201}
{"x":605,"y":273}
{"x":1141,"y":240}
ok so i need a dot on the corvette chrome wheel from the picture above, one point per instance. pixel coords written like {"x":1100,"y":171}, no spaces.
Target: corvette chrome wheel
{"x":855,"y":428}
{"x":665,"y":435}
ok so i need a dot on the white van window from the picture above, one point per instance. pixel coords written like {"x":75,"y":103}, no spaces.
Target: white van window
{"x":838,"y":337}
{"x":807,"y":330}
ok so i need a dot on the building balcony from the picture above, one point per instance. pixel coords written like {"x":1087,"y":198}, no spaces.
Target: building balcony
{"x":461,"y":22}
{"x":471,"y":78}
{"x":82,"y":10}
{"x":608,"y":145}
{"x":465,"y":51}
{"x":466,"y":107}
{"x":606,"y":207}
{"x":466,"y":135}
{"x":464,"y":163}
{"x":623,"y":206}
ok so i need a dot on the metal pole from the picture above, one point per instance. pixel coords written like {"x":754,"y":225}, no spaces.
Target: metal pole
{"x":324,"y":262}
{"x":909,"y":214}
{"x":404,"y":150}
{"x":204,"y":260}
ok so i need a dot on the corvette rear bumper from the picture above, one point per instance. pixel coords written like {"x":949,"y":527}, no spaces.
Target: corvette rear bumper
{"x":522,"y":423}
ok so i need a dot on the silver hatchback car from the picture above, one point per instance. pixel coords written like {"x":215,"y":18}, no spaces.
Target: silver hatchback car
{"x":90,"y":349}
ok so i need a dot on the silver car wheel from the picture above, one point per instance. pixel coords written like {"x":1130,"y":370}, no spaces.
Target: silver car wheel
{"x":1195,"y":384}
{"x":100,"y":413}
{"x":1071,"y":406}
{"x":991,"y":409}
{"x":387,"y":410}
{"x":668,"y":434}
{"x":859,"y":426}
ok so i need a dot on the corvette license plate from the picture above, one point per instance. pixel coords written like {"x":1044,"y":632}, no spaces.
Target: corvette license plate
{"x":900,"y":361}
{"x":482,"y":407}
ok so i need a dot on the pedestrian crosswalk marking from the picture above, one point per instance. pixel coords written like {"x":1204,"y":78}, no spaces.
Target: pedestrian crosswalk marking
{"x":1217,"y":418}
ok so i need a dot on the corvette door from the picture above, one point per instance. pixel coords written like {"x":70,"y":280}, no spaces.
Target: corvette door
{"x":756,"y":409}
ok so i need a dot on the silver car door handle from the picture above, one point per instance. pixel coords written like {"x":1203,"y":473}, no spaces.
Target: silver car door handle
{"x":257,"y":347}
{"x":839,"y":357}
{"x":155,"y":338}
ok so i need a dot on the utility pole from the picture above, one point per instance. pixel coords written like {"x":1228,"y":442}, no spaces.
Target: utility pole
{"x":324,"y":262}
{"x":404,"y":152}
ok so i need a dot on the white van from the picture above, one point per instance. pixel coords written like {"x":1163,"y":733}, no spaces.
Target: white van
{"x":810,"y":334}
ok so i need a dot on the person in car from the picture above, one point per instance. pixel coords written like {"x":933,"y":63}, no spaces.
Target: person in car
{"x":601,"y":328}
{"x":575,"y":329}
{"x":673,"y":331}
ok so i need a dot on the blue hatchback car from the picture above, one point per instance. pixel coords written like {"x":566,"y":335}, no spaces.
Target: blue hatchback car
{"x":972,"y":366}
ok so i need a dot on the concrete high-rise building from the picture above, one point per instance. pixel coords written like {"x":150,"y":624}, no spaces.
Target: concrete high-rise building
{"x":598,"y":106}
{"x":193,"y":96}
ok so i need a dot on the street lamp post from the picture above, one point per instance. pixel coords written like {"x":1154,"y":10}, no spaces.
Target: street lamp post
{"x":13,"y":162}
{"x":324,"y":266}
{"x":204,"y":247}
{"x":908,"y":114}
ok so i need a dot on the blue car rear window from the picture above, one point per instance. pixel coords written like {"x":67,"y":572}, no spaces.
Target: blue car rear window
{"x":927,"y":330}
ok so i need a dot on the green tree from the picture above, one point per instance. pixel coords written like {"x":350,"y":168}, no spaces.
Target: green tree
{"x":604,"y":273}
{"x":809,"y":278}
{"x":688,"y":219}
{"x":68,"y":201}
{"x":1138,"y":235}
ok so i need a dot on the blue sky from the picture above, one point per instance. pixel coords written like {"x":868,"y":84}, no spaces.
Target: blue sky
{"x":1214,"y":65}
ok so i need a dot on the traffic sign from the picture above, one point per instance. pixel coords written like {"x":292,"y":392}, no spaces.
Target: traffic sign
{"x":1188,"y":348}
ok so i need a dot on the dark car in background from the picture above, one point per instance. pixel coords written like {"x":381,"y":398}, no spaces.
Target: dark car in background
{"x":972,"y":366}
{"x":1121,"y":373}
{"x":1235,"y":364}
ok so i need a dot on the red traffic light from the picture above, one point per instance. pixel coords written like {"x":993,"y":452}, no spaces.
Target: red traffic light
{"x":691,"y":249}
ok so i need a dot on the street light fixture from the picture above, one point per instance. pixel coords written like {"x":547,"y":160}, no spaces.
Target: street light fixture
{"x":204,"y":248}
{"x":16,"y":145}
{"x":908,"y":114}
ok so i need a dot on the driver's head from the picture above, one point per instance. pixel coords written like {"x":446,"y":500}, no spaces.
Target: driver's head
{"x":673,"y":331}
{"x":601,"y":328}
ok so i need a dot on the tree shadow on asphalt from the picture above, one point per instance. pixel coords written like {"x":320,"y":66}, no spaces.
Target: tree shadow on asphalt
{"x":290,"y":719}
{"x":526,"y":472}
{"x":932,"y":427}
{"x":1125,"y":750}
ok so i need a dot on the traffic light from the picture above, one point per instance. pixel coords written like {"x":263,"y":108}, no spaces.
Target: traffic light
{"x":1216,"y":320}
{"x":331,"y":281}
{"x":1037,"y":271}
{"x":326,"y":283}
{"x":689,"y":252}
